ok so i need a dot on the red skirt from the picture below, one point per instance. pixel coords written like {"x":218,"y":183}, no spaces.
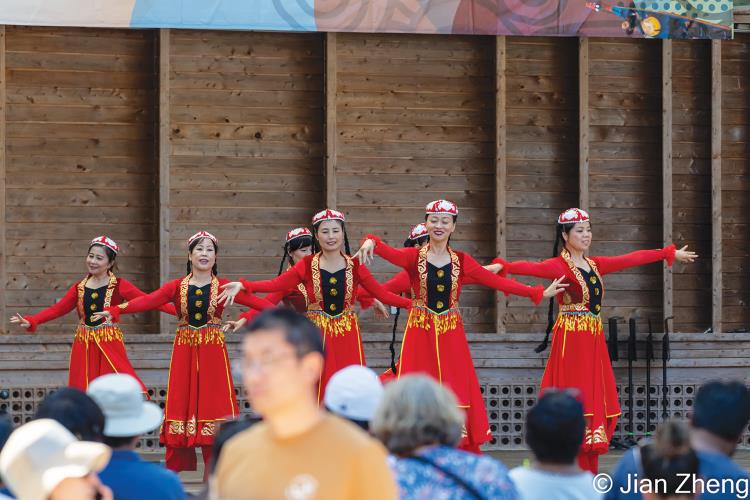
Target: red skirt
{"x":435,"y":344}
{"x":341,"y":342}
{"x":579,"y":359}
{"x":200,"y":391}
{"x":96,"y":351}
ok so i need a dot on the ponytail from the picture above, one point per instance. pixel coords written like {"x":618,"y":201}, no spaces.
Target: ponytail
{"x":551,"y":310}
{"x":392,"y":345}
{"x":669,"y":458}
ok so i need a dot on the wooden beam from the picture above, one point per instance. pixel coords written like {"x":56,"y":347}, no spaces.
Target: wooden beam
{"x":717,"y":285}
{"x":583,"y":123}
{"x":666,"y":170}
{"x":331,"y":132}
{"x":165,"y":151}
{"x":501,"y":303}
{"x":3,"y":270}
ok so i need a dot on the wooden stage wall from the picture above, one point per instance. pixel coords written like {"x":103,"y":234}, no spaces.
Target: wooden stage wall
{"x":151,"y":135}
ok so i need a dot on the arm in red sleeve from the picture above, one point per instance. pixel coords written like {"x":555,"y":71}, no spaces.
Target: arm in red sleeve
{"x":401,"y":257}
{"x":274,"y":298}
{"x":251,"y":300}
{"x":468,"y":280}
{"x":548,"y":269}
{"x":63,"y":306}
{"x":473,"y":270}
{"x":249,"y":315}
{"x":608,"y":265}
{"x":399,"y":284}
{"x":129,"y":291}
{"x":148,"y":302}
{"x":371,"y":285}
{"x":287,"y":281}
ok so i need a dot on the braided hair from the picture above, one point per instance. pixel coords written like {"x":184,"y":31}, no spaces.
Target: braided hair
{"x":292,"y":246}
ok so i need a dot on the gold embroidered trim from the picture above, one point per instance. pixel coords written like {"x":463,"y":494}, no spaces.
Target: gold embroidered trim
{"x":334,"y":326}
{"x":596,"y":437}
{"x":183,"y":312}
{"x":421,"y":301}
{"x":318,"y":287}
{"x":428,"y":320}
{"x":103,"y":333}
{"x":207,"y":334}
{"x":212,"y":304}
{"x":303,"y":291}
{"x":584,"y":305}
{"x":192,"y":427}
{"x":587,"y":321}
{"x":455,"y":273}
{"x":349,"y":291}
{"x":111,"y":284}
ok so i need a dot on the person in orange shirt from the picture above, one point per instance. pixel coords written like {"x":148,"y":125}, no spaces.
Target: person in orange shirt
{"x":299,"y":450}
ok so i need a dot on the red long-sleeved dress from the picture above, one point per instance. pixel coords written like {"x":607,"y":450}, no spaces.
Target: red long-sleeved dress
{"x":200,"y":391}
{"x":434,"y":341}
{"x":98,"y":347}
{"x":330,"y":299}
{"x":579,"y":357}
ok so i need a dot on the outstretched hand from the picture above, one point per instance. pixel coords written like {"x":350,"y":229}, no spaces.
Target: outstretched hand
{"x":494,"y":268}
{"x":233,"y":326}
{"x":229,"y":292}
{"x":556,"y":287}
{"x":105,"y":315}
{"x":684,"y":255}
{"x":17,"y":319}
{"x":381,"y":310}
{"x":366,"y":252}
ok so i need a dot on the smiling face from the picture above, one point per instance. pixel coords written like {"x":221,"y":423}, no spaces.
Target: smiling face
{"x":300,"y":253}
{"x":330,"y":235}
{"x":97,"y":261}
{"x":579,"y":238}
{"x":203,"y":255}
{"x":440,"y":226}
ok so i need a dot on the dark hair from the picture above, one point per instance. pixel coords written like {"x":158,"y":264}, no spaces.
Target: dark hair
{"x":299,"y":331}
{"x":228,"y":430}
{"x":455,"y":217}
{"x":417,"y":242}
{"x":669,"y":458}
{"x":76,"y":411}
{"x":292,"y":246}
{"x":722,"y":408}
{"x":559,"y":229}
{"x":111,"y":255}
{"x":316,"y":245}
{"x":118,"y":442}
{"x":215,"y":269}
{"x":554,"y":428}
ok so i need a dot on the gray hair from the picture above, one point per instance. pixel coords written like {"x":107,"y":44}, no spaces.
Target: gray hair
{"x":416,"y":411}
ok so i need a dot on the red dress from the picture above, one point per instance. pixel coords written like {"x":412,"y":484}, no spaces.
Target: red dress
{"x":434,"y":340}
{"x":330,"y":299}
{"x":200,"y":391}
{"x":98,"y":347}
{"x":579,"y":356}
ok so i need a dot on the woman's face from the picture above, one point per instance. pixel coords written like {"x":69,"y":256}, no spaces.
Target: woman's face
{"x":440,"y":227}
{"x":97,"y":261}
{"x":579,"y":238}
{"x":330,"y":235}
{"x":203,"y":255}
{"x":300,"y":253}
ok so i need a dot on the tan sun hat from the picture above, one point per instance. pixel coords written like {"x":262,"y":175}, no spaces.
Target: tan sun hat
{"x":39,"y":455}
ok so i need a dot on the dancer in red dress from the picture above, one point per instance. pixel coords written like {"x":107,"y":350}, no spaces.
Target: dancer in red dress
{"x":200,"y":391}
{"x":98,"y":346}
{"x":434,"y":341}
{"x":579,"y":357}
{"x":330,"y":280}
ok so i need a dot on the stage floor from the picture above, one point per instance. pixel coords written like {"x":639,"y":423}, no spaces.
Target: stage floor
{"x":193,"y":480}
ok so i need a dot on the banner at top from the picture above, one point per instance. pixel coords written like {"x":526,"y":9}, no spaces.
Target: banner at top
{"x":624,"y":18}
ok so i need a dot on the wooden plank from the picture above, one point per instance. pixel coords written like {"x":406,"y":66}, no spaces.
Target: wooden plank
{"x":500,"y":169}
{"x":666,"y":169}
{"x":330,"y":123}
{"x":583,"y":123}
{"x":3,"y":166}
{"x":716,"y":219}
{"x":164,"y":167}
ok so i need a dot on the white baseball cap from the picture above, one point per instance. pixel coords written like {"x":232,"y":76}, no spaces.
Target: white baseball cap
{"x":39,"y":455}
{"x":125,"y":412}
{"x":354,"y":393}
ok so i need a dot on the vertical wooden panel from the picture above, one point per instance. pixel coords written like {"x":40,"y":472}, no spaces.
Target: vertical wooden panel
{"x":501,"y":166}
{"x":583,"y":123}
{"x":164,"y":156}
{"x":81,"y":161}
{"x":716,"y":205}
{"x":331,"y":132}
{"x":3,"y":274}
{"x":666,"y":169}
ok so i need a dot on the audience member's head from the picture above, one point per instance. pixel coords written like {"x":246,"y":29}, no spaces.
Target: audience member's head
{"x":226,"y":431}
{"x":416,"y":411}
{"x":126,"y":414}
{"x":43,"y":460}
{"x":76,"y":411}
{"x":555,"y":427}
{"x":668,"y":460}
{"x":354,"y":393}
{"x":282,"y":361}
{"x":722,"y":409}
